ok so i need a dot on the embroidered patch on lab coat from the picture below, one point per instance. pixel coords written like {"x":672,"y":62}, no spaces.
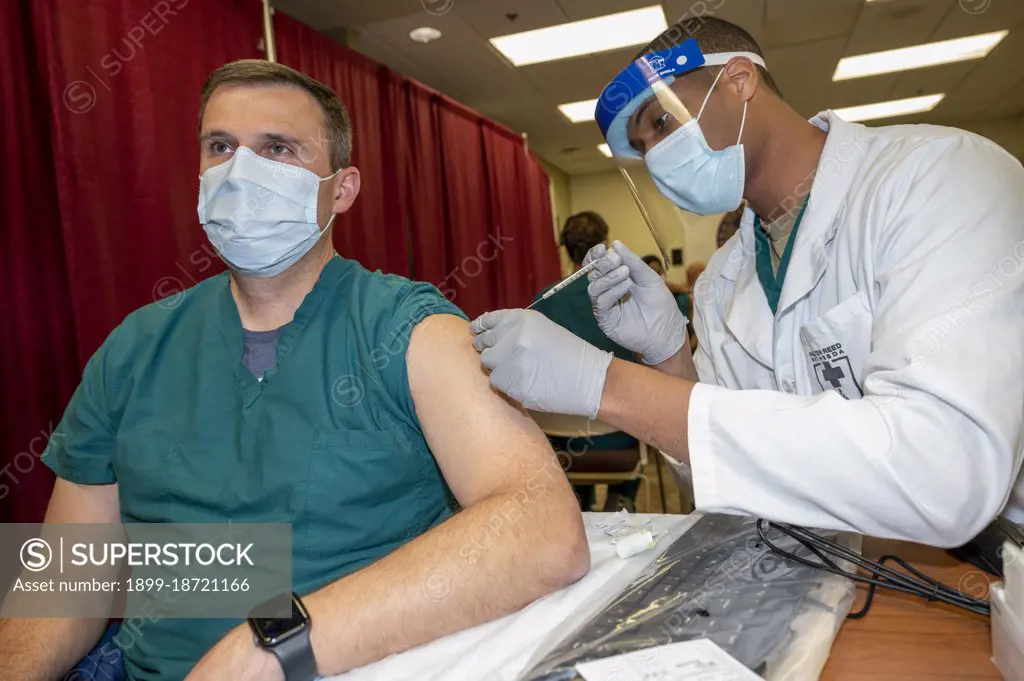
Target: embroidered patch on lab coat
{"x":836,"y":345}
{"x":833,"y":370}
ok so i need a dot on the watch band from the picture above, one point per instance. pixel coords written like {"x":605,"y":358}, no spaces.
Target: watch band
{"x":296,"y":657}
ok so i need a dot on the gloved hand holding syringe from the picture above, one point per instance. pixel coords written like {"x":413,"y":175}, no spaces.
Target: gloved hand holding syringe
{"x":581,"y":272}
{"x":546,"y":367}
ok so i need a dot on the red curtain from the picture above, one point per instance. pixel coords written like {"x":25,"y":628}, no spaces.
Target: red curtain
{"x":99,"y":98}
{"x":520,"y":195}
{"x":471,"y":281}
{"x":424,"y":180}
{"x":38,"y":353}
{"x":124,"y":78}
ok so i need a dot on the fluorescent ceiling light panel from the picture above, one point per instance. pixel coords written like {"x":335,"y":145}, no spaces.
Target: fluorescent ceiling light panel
{"x":605,"y":149}
{"x":918,"y":57}
{"x":898,"y":107}
{"x":577,"y":38}
{"x":579,"y":112}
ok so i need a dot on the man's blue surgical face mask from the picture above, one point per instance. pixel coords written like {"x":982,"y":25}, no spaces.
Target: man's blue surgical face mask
{"x":260,"y":215}
{"x":694,"y":176}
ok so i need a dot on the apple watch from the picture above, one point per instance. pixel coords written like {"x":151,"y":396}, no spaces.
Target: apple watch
{"x":288,"y":639}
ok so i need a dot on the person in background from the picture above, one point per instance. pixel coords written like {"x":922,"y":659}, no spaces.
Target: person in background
{"x":729,"y":225}
{"x":693,"y":272}
{"x":571,"y":309}
{"x":301,"y":388}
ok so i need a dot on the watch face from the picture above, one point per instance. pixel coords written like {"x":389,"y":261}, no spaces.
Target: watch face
{"x":271,"y":631}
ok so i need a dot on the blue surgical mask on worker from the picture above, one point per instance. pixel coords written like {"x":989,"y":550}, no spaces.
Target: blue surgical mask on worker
{"x":694,"y":176}
{"x":260,"y":215}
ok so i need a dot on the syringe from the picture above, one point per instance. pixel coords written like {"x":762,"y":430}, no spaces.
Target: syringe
{"x":581,"y":272}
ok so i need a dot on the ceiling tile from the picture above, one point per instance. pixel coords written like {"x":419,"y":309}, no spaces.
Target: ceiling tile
{"x":491,"y":19}
{"x":986,"y":82}
{"x":322,"y":14}
{"x":802,"y":21}
{"x":576,"y":10}
{"x":460,"y":55}
{"x":804,"y":72}
{"x":1011,"y":104}
{"x":984,"y":16}
{"x":382,"y":52}
{"x":888,"y":24}
{"x":748,"y":14}
{"x":860,"y":90}
{"x":571,"y":80}
{"x":930,"y":81}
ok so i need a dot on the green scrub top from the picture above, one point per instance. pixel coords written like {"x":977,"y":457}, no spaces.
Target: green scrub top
{"x":683,"y":303}
{"x":771,"y":281}
{"x":571,"y":309}
{"x":328,"y":441}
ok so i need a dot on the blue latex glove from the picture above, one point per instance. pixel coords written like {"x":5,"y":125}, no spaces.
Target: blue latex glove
{"x":540,"y":364}
{"x":633,"y":306}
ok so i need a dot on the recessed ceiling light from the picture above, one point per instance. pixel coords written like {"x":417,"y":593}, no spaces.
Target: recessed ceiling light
{"x":898,"y":107}
{"x":918,"y":56}
{"x":425,"y":34}
{"x":605,"y":149}
{"x":577,"y":38}
{"x":579,"y":112}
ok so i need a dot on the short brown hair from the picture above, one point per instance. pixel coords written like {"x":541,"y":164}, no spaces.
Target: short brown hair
{"x":582,"y":232}
{"x":256,"y":72}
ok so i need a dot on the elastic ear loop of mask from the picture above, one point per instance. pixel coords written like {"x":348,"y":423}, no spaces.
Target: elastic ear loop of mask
{"x":743,"y":121}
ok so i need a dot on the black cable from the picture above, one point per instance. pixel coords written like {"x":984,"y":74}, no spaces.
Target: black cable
{"x":808,"y":538}
{"x":889,"y":578}
{"x":880,"y":575}
{"x":884,"y":576}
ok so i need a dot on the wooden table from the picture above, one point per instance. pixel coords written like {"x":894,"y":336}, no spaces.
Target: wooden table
{"x":908,"y":639}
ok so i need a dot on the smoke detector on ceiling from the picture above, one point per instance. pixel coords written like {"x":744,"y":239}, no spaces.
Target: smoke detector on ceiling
{"x":425,"y":34}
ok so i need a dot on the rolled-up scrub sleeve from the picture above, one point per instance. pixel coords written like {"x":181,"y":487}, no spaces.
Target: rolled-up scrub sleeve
{"x":82,"y":447}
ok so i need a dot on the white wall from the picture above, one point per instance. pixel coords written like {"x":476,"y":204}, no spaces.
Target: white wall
{"x":607,"y":194}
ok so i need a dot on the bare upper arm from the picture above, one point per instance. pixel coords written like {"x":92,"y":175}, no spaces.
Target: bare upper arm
{"x":71,"y":502}
{"x":482,"y":442}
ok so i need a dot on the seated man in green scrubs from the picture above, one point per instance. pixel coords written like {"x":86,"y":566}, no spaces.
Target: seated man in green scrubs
{"x":301,"y":388}
{"x":571,"y":308}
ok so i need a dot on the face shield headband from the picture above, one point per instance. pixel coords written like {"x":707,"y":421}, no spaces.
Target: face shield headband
{"x":643,"y":79}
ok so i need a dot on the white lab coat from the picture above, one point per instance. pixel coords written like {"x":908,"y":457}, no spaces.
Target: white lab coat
{"x":887,"y":394}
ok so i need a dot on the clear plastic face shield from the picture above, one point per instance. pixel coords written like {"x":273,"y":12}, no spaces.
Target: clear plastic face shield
{"x":659,"y":147}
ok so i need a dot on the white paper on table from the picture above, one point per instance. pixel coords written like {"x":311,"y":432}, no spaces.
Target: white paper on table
{"x":698,"y":660}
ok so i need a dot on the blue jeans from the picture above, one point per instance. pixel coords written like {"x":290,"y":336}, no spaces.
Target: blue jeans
{"x":104,"y":663}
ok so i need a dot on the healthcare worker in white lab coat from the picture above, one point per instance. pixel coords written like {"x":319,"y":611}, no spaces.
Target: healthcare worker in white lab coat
{"x":861,"y":338}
